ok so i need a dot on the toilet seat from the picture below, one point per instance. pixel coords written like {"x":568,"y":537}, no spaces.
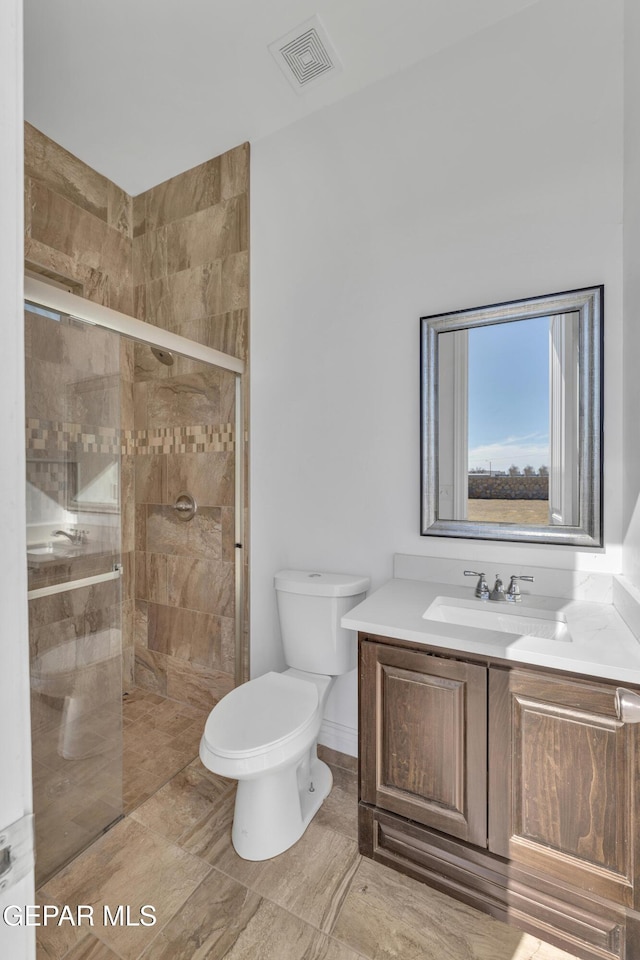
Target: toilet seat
{"x":264,"y":713}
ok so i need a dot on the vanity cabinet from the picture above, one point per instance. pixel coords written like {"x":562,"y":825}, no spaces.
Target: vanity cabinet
{"x":427,"y":760}
{"x":508,"y":787}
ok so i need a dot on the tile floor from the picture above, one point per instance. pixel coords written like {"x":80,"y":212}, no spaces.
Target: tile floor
{"x":160,"y":737}
{"x":318,"y":901}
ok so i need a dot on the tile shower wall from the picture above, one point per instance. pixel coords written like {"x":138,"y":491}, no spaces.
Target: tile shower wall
{"x":78,"y":225}
{"x":185,"y":614}
{"x":176,"y":257}
{"x":79,"y":230}
{"x":190,"y":272}
{"x":191,"y":253}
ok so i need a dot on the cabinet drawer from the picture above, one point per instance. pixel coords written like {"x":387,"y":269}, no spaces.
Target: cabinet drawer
{"x":423,"y":734}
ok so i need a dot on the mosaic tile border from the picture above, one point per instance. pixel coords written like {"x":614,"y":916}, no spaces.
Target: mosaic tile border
{"x":197,"y":439}
{"x":65,"y":437}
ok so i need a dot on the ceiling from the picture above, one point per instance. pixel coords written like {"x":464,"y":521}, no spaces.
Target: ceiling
{"x":144,"y":89}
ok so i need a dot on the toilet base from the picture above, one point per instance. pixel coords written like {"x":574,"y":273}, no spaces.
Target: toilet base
{"x":274,"y":810}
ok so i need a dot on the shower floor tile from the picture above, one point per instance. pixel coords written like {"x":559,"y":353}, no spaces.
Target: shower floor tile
{"x":160,"y":738}
{"x":318,"y":901}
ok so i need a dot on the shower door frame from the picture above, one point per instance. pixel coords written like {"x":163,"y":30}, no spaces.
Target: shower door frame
{"x":41,"y":294}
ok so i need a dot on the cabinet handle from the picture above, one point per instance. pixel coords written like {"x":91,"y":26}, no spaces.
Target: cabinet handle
{"x":627,"y":705}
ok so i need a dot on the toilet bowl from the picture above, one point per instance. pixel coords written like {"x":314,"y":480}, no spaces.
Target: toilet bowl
{"x":264,"y":733}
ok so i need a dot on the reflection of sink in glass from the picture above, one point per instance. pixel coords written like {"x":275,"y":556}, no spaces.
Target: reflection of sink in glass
{"x":503,"y":617}
{"x":52,"y":550}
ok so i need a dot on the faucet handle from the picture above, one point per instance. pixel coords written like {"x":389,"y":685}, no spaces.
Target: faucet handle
{"x":513,"y":593}
{"x":482,"y":588}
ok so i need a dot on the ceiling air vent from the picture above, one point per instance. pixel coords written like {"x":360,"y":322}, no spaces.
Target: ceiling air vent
{"x":305,"y":55}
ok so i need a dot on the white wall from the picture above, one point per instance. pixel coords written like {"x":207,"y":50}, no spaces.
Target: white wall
{"x":489,"y":172}
{"x":631,"y":564}
{"x":15,"y":743}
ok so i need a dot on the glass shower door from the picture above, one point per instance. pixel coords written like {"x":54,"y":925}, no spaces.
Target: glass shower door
{"x":74,"y":440}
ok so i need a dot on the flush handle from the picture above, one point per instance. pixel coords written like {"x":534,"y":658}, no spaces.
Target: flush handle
{"x":185,"y":506}
{"x":627,"y":705}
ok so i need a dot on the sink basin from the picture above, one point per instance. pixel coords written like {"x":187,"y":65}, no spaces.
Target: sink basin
{"x":504,"y":617}
{"x":39,"y":551}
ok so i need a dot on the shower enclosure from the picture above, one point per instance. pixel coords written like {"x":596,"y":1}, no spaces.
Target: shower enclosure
{"x":134,"y":532}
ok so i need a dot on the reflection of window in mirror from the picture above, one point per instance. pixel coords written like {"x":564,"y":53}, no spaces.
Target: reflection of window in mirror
{"x":507,"y":422}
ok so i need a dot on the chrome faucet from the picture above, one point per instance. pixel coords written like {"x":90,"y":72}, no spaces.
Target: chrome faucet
{"x":498,"y":590}
{"x":75,"y":537}
{"x":513,"y":593}
{"x":498,"y":593}
{"x":482,"y":587}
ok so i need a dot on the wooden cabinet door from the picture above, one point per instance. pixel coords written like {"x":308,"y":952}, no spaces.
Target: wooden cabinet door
{"x":562,"y":780}
{"x":423,"y":736}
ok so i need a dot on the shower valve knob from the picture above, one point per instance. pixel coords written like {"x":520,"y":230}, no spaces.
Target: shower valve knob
{"x":185,"y":506}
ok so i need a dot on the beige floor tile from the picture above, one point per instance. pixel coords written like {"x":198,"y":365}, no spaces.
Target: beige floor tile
{"x":208,"y":923}
{"x":141,"y":737}
{"x":58,"y":838}
{"x":91,"y":949}
{"x":53,"y":942}
{"x":310,"y":879}
{"x":165,"y":763}
{"x":44,"y":781}
{"x":190,"y":738}
{"x":188,"y":798}
{"x":135,"y":709}
{"x":135,"y":798}
{"x":340,"y":810}
{"x":210,"y":837}
{"x":387,"y":915}
{"x":175,"y":725}
{"x":130,"y":865}
{"x":150,"y":774}
{"x":96,"y":816}
{"x":223,"y":919}
{"x":546,"y":952}
{"x":165,"y":714}
{"x":88,"y":771}
{"x":139,"y":694}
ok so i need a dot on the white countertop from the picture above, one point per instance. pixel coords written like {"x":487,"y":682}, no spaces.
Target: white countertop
{"x":602,"y":644}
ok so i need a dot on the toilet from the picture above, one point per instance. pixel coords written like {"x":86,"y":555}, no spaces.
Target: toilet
{"x":264,"y":733}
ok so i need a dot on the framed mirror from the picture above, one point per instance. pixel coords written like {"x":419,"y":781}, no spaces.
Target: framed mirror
{"x":511,"y":420}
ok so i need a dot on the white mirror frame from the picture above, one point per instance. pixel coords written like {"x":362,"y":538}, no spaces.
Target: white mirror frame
{"x":589,"y":304}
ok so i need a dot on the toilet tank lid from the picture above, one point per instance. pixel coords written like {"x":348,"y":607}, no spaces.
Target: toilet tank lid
{"x":313,"y":583}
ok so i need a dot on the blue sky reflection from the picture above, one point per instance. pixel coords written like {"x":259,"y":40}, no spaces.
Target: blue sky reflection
{"x":509,"y":395}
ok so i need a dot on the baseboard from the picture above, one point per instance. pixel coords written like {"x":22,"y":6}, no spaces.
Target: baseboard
{"x":339,"y":737}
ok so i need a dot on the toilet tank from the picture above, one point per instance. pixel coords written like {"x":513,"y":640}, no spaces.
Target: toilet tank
{"x":310,"y":606}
